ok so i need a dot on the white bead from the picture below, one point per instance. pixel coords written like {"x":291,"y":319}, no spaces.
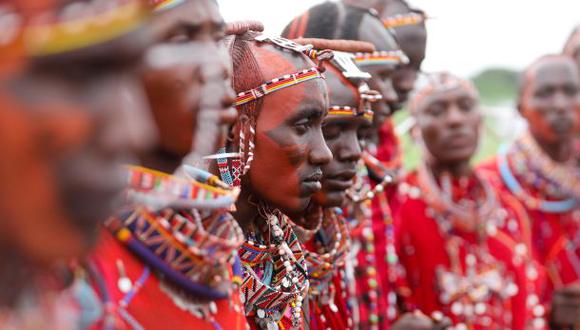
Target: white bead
{"x":261,"y":313}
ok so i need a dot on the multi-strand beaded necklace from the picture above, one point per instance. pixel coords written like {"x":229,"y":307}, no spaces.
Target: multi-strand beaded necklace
{"x":476,"y":292}
{"x":526,"y":165}
{"x":276,"y":276}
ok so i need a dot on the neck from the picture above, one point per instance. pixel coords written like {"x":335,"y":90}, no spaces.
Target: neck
{"x":246,"y":212}
{"x":560,"y":151}
{"x":457,"y":170}
{"x":16,"y":280}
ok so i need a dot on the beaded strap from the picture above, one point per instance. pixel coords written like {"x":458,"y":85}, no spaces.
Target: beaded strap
{"x":395,"y":57}
{"x":277,"y":84}
{"x":404,"y":20}
{"x":338,"y":110}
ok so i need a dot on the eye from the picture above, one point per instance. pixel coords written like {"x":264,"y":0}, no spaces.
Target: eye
{"x":330,"y":132}
{"x":571,"y":90}
{"x":302,"y":126}
{"x":436,"y":109}
{"x":466,"y":105}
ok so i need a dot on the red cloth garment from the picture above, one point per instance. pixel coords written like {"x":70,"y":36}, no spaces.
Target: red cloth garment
{"x":478,"y":280}
{"x":555,"y":239}
{"x":155,"y":303}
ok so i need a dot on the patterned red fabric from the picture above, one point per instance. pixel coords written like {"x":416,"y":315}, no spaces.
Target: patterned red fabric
{"x":151,"y":307}
{"x":422,"y":251}
{"x":552,"y":238}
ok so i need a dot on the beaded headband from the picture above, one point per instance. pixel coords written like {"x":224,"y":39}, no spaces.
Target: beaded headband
{"x":367,"y":96}
{"x":347,"y":111}
{"x":161,"y":5}
{"x":438,"y":83}
{"x":277,"y":84}
{"x":404,"y":20}
{"x":80,"y":31}
{"x":394,"y":58}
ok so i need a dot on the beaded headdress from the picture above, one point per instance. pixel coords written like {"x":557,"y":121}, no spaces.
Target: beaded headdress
{"x":240,"y":162}
{"x":345,"y":63}
{"x":83,"y":24}
{"x":437,"y":83}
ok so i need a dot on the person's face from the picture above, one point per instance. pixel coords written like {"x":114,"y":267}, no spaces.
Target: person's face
{"x":62,"y":149}
{"x":187,"y":80}
{"x":372,"y":31}
{"x":341,"y":134}
{"x":188,"y":84}
{"x":290,"y":150}
{"x":449,"y":124}
{"x":550,"y":99}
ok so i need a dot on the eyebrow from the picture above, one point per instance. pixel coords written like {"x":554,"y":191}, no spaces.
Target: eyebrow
{"x":309,"y":111}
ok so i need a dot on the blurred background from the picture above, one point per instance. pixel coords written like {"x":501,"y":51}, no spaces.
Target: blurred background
{"x":487,"y":41}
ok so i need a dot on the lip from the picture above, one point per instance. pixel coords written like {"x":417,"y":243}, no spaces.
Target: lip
{"x":339,"y":181}
{"x":459,"y":140}
{"x":312,"y":183}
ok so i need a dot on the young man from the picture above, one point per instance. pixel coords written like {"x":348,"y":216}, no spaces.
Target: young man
{"x":461,"y":242}
{"x":540,"y":170}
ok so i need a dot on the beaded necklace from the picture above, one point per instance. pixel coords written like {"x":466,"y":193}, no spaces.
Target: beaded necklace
{"x":468,"y":292}
{"x":359,"y":218}
{"x":276,"y":275}
{"x":188,"y":246}
{"x":331,"y":243}
{"x":528,"y":163}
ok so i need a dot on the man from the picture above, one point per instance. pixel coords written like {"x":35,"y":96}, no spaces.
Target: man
{"x":454,"y":231}
{"x":172,"y":248}
{"x":70,"y":117}
{"x":540,"y":170}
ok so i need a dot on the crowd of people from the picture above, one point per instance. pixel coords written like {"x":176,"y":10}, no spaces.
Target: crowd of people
{"x":164,"y":169}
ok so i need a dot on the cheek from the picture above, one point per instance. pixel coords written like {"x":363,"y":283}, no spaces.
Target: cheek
{"x":274,"y":172}
{"x":29,"y":203}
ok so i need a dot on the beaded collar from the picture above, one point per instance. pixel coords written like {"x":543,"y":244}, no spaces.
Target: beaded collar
{"x":92,"y":26}
{"x":190,"y":251}
{"x":331,"y":244}
{"x":392,"y":58}
{"x":461,"y":215}
{"x":199,"y":189}
{"x":404,"y":20}
{"x":189,"y":247}
{"x":276,"y":276}
{"x":525,"y":163}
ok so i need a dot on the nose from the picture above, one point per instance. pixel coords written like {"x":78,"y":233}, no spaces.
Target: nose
{"x":351,"y":151}
{"x":230,"y":114}
{"x":388,"y":92}
{"x":320,"y":154}
{"x":455,"y":116}
{"x":563,"y":103}
{"x":129,"y":127}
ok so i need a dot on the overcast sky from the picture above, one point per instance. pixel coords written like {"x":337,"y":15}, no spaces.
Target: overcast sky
{"x":465,"y":36}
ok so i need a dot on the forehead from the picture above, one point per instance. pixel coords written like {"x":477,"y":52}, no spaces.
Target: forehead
{"x":448,"y":96}
{"x":373,"y":31}
{"x":341,"y":92}
{"x":554,"y":72}
{"x":195,"y":12}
